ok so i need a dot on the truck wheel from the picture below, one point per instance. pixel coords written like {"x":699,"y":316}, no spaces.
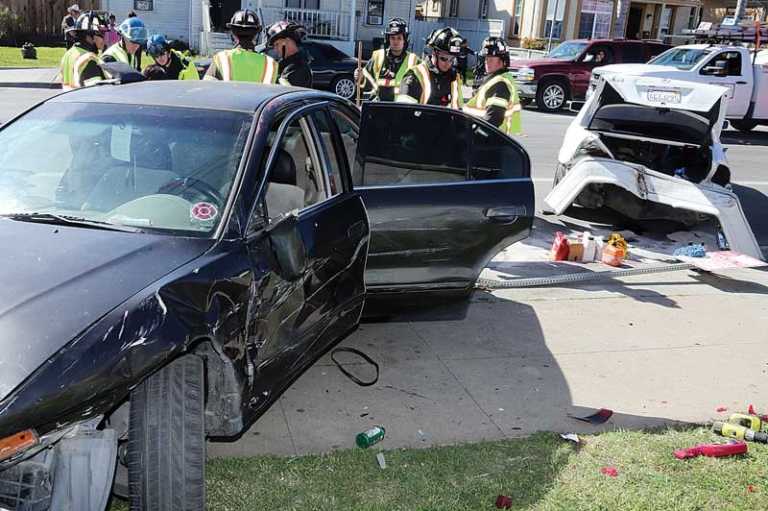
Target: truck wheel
{"x":166,"y":439}
{"x":551,"y":96}
{"x":744,"y":126}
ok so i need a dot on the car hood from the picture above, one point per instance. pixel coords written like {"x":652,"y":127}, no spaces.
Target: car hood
{"x":635,"y":69}
{"x":59,"y":280}
{"x":518,"y":63}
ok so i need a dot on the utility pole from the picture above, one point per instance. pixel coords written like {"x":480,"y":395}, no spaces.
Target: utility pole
{"x":741,"y":9}
{"x":552,"y":26}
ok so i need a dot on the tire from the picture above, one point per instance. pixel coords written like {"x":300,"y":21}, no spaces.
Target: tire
{"x":344,"y":86}
{"x":551,"y":96}
{"x":744,"y":126}
{"x":166,"y":439}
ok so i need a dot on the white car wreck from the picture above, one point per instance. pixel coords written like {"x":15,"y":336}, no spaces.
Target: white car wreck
{"x":649,"y":148}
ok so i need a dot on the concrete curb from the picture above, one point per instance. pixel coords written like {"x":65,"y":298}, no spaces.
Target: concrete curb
{"x":30,"y":85}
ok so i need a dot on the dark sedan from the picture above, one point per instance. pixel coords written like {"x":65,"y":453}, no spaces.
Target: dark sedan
{"x":175,"y":254}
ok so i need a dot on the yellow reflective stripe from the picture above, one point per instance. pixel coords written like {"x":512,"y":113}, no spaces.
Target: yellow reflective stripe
{"x":224,"y":65}
{"x":412,"y":60}
{"x":496,"y":101}
{"x":209,"y":77}
{"x":517,"y":107}
{"x":477,"y":112}
{"x":283,"y":81}
{"x":270,"y":70}
{"x":80,"y":63}
{"x":405,"y":98}
{"x":378,"y":61}
{"x":485,"y":88}
{"x":457,"y":99}
{"x":426,"y":84}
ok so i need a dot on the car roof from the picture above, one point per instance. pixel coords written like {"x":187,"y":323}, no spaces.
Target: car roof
{"x":615,"y":41}
{"x":204,"y":94}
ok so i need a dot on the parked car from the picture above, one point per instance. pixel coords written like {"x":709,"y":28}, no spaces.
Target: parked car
{"x":633,"y":150}
{"x":563,"y":75}
{"x":181,"y":252}
{"x":734,"y":67}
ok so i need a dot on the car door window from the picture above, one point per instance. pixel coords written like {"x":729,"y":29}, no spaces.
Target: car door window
{"x":349,"y":135}
{"x":409,"y":147}
{"x":599,"y":56}
{"x":493,"y":157}
{"x":730,"y":61}
{"x":295,"y":180}
{"x":316,"y":53}
{"x":330,"y":153}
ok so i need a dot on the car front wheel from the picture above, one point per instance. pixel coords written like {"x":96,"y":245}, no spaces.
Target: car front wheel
{"x":344,"y":86}
{"x":166,"y":439}
{"x":551,"y":96}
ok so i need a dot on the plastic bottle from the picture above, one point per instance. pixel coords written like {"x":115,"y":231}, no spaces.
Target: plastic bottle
{"x":370,"y":437}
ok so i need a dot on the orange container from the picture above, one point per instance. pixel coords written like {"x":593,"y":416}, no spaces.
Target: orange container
{"x":613,"y":255}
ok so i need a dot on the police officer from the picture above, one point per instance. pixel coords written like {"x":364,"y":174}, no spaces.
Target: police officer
{"x":436,"y":81}
{"x":243,"y":63}
{"x":128,"y":49}
{"x":496,"y":100}
{"x":80,"y":64}
{"x":385,"y":70}
{"x":292,"y":65}
{"x":169,"y":64}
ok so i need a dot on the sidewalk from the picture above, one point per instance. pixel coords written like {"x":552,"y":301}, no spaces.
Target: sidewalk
{"x":30,"y":78}
{"x":656,"y":349}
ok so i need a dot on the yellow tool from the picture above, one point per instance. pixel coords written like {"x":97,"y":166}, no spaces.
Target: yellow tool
{"x":752,"y":422}
{"x":739,"y":432}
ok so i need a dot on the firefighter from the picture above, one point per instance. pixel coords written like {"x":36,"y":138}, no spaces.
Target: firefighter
{"x":436,"y":81}
{"x":80,"y":64}
{"x":243,"y":63}
{"x":496,"y":100}
{"x":169,"y":64}
{"x":292,"y":65}
{"x":385,"y":70}
{"x":128,"y":49}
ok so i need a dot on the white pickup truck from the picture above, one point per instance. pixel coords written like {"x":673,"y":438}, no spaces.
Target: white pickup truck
{"x":739,"y":69}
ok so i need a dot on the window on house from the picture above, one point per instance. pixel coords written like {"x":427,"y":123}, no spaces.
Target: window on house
{"x":435,"y":7}
{"x":516,"y":18}
{"x":554,"y":24}
{"x":375,"y":12}
{"x":303,"y":4}
{"x":483,"y":12}
{"x":453,"y":12}
{"x":595,"y":20}
{"x":692,"y":21}
{"x":665,"y":25}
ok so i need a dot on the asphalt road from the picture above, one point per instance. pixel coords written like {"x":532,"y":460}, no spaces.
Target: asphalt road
{"x":543,"y":135}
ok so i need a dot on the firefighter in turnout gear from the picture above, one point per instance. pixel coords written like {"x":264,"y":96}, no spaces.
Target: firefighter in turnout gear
{"x":243,"y":63}
{"x":496,"y":100}
{"x":436,"y":81}
{"x":293,"y":65}
{"x":386,"y":69}
{"x":128,"y":49}
{"x":169,"y":64}
{"x":80,"y":64}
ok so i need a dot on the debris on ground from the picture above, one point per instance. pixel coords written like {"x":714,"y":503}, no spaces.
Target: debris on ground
{"x":750,"y":421}
{"x":560,"y":247}
{"x":750,"y":488}
{"x":691,"y":250}
{"x":571,"y":437}
{"x":738,"y":432}
{"x":616,"y":250}
{"x":599,"y":417}
{"x":382,"y":462}
{"x":721,"y":409}
{"x":503,"y":502}
{"x":370,"y":437}
{"x":609,"y":471}
{"x":712,"y":450}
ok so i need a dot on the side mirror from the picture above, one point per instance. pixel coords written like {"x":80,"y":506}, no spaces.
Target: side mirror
{"x":589,"y":57}
{"x":288,"y":250}
{"x":726,"y":125}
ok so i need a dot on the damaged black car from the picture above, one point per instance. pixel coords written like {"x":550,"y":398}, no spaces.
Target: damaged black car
{"x":176,"y":254}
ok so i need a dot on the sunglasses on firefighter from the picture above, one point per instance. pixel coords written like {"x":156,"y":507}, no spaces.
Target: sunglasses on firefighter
{"x":446,"y":58}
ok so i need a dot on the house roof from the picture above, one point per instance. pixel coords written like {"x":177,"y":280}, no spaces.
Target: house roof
{"x":207,"y":94}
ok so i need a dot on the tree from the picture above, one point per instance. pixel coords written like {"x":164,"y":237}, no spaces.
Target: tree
{"x":9,"y":22}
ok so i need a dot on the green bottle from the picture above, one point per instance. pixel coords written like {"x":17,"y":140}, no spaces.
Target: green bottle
{"x":370,"y":437}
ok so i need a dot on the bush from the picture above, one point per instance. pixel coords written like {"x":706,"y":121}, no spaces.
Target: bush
{"x":531,"y":43}
{"x":10,"y":22}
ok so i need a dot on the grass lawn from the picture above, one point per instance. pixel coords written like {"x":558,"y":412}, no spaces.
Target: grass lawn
{"x":46,"y":57}
{"x":541,"y":472}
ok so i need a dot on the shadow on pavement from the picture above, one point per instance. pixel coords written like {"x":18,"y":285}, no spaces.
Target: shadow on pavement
{"x":755,"y":204}
{"x":756,"y":138}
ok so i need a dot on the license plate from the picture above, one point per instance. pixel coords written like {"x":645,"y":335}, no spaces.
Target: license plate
{"x":663,"y":96}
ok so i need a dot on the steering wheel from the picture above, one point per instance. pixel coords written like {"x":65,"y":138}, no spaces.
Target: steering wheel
{"x":192,"y":183}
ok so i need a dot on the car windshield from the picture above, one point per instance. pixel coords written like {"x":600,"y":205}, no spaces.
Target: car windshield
{"x":681,"y":58}
{"x":153,"y":168}
{"x":568,"y":50}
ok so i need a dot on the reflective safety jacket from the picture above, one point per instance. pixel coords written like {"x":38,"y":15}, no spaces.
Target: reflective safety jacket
{"x":242,"y":65}
{"x":424,"y":84}
{"x":118,"y":53}
{"x":80,"y":67}
{"x":497,"y":102}
{"x":383,"y":73}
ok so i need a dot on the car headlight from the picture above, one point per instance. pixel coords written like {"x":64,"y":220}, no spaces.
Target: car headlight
{"x":525,"y":74}
{"x":594,"y":147}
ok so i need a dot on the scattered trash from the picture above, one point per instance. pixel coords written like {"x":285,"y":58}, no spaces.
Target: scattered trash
{"x":503,"y":502}
{"x":560,"y":247}
{"x":381,"y":460}
{"x":592,"y":247}
{"x":691,"y":250}
{"x":350,"y":375}
{"x":28,"y":51}
{"x":712,"y":450}
{"x":751,"y":409}
{"x":572,"y":437}
{"x":370,"y":437}
{"x":599,"y":417}
{"x":739,"y":432}
{"x":615,"y":250}
{"x":751,"y":421}
{"x":721,"y":409}
{"x":364,"y":415}
{"x":501,"y":409}
{"x":750,"y":488}
{"x":609,"y":471}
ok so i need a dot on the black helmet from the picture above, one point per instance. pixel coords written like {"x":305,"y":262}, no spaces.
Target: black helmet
{"x":284,"y":28}
{"x":495,"y":47}
{"x":446,"y":39}
{"x":245,"y":23}
{"x":394,"y":27}
{"x":87,"y":23}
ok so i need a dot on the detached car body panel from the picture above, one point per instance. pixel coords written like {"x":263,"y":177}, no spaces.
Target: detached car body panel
{"x":650,"y":149}
{"x":226,"y":221}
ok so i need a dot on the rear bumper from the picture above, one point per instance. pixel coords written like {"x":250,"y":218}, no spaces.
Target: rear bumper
{"x":649,"y":185}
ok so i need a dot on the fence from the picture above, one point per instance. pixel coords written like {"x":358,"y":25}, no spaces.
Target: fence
{"x":473,"y":30}
{"x":320,"y":24}
{"x":42,"y":18}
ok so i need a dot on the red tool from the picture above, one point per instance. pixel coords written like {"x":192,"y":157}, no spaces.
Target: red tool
{"x":713,"y":450}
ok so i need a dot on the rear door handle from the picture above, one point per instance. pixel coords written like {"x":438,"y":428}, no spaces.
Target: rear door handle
{"x":504,"y":214}
{"x":741,"y":83}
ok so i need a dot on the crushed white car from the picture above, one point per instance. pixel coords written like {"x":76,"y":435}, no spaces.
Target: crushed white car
{"x":649,"y":148}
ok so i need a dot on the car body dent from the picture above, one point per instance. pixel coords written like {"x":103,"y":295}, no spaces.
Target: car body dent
{"x":649,"y":184}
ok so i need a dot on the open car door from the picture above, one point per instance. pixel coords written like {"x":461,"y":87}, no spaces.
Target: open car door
{"x":445,"y":192}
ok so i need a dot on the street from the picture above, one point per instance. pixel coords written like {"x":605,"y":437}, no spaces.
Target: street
{"x":653,"y":348}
